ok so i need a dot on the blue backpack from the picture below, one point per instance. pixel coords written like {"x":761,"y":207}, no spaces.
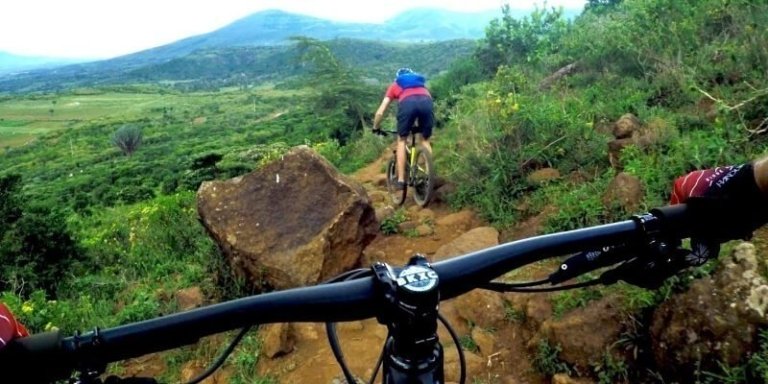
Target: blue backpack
{"x":411,"y":80}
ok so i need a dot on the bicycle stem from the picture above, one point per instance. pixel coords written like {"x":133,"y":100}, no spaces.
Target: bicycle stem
{"x":410,"y":298}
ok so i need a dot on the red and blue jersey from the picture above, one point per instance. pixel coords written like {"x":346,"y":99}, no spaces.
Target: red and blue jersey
{"x":396,"y":92}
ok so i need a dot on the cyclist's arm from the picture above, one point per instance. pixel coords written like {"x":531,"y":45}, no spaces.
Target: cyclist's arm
{"x":380,"y":112}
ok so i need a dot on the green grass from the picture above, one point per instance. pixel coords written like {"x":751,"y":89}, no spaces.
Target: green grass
{"x":30,"y":117}
{"x":546,"y":360}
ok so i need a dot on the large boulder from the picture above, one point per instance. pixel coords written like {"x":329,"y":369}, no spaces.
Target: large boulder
{"x":296,"y":221}
{"x":715,"y":322}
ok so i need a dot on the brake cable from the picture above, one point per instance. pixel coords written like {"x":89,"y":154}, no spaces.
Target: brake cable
{"x":228,"y":351}
{"x":504,"y":287}
{"x":457,"y":343}
{"x":330,"y":328}
{"x":224,"y":355}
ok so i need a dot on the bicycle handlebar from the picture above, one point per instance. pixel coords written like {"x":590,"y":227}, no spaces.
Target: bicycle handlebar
{"x":342,"y":301}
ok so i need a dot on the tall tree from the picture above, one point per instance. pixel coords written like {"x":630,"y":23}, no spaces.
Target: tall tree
{"x":511,"y":41}
{"x":601,"y":6}
{"x":340,"y":89}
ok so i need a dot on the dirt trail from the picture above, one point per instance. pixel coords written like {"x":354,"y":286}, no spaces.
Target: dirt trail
{"x":312,"y":359}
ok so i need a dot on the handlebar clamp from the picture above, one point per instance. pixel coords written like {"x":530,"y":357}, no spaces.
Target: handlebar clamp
{"x":410,"y":298}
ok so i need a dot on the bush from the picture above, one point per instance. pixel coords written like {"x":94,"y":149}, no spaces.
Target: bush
{"x":36,"y":251}
{"x":127,"y":138}
{"x":547,"y":360}
{"x":361,"y":152}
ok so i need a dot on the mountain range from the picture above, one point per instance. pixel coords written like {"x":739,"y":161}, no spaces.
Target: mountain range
{"x":266,"y":32}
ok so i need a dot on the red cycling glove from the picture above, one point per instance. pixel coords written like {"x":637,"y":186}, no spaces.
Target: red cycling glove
{"x":706,"y":182}
{"x":726,"y":201}
{"x":10,"y":328}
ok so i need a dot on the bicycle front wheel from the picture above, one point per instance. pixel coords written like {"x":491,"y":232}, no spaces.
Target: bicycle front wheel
{"x":423,"y":177}
{"x":397,"y":195}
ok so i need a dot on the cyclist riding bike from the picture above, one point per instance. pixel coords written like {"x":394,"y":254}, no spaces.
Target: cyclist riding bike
{"x":414,"y":105}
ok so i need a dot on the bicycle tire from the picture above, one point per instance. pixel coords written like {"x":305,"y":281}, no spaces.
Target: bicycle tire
{"x":423,"y":177}
{"x":397,"y":196}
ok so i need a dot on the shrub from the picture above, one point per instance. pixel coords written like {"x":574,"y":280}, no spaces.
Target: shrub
{"x":36,"y":251}
{"x":127,"y":138}
{"x":547,"y":361}
{"x":389,"y":225}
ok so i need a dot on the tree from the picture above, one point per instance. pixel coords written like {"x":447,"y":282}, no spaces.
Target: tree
{"x":35,"y":245}
{"x":601,"y":6}
{"x":127,"y":138}
{"x":461,"y":72}
{"x":510,"y":41}
{"x":341,"y":92}
{"x":207,"y":161}
{"x":10,"y":201}
{"x":36,"y":251}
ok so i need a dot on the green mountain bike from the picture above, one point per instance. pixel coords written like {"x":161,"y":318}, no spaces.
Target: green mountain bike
{"x":419,"y":173}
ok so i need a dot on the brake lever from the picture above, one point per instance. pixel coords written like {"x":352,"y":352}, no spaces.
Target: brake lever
{"x":650,"y":270}
{"x":587,"y":261}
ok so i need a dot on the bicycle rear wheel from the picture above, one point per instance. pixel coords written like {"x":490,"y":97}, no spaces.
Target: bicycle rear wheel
{"x":423,"y":177}
{"x":397,"y":196}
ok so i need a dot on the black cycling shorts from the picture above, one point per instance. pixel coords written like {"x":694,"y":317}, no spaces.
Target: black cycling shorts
{"x":415,"y":109}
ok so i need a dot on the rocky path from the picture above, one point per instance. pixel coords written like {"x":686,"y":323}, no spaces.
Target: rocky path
{"x":497,"y":354}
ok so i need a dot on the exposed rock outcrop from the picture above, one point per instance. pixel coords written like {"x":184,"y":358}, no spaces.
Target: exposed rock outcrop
{"x":715,"y":322}
{"x":295,"y":222}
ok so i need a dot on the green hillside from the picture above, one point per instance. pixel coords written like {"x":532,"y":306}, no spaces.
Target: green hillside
{"x":214,"y":68}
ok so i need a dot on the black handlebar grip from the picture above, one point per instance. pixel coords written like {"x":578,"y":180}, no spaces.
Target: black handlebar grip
{"x":35,"y":359}
{"x":675,"y":219}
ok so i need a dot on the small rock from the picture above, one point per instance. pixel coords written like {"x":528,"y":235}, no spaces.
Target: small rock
{"x":562,"y":378}
{"x":278,"y":340}
{"x":484,"y":341}
{"x":424,"y":230}
{"x":189,"y":298}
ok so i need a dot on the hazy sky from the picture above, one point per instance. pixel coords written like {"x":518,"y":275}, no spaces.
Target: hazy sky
{"x":108,"y":28}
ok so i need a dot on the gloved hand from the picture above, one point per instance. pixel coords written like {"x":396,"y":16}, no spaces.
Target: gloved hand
{"x":10,"y":328}
{"x":725,"y":201}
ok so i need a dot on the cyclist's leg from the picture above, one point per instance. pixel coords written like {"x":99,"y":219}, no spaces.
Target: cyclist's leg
{"x":406,"y":115}
{"x":426,"y":117}
{"x":401,"y":159}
